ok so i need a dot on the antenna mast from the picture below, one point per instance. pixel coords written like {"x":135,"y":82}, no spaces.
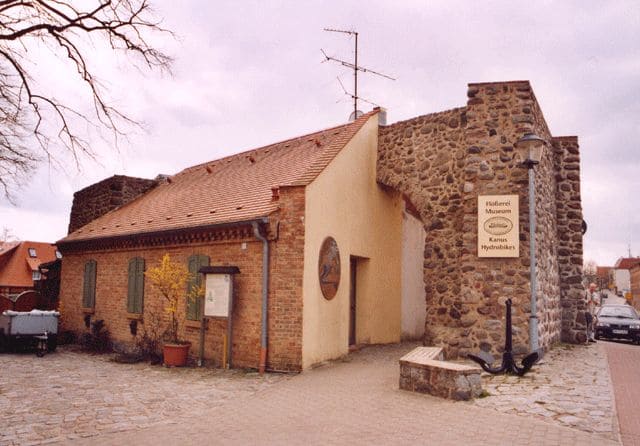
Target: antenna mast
{"x":355,"y":68}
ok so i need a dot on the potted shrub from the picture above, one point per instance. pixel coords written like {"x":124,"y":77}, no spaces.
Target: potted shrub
{"x":170,"y":279}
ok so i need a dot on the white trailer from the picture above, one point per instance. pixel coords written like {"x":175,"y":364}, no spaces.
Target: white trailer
{"x":29,"y":327}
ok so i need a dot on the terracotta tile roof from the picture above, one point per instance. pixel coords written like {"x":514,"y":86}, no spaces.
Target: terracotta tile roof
{"x":16,"y":265}
{"x":232,"y":189}
{"x":627,"y":262}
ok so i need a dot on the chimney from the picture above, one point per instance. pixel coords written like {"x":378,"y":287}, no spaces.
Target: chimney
{"x":382,"y":115}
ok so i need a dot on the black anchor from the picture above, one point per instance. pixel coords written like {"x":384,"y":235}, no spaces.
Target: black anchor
{"x":508,"y":365}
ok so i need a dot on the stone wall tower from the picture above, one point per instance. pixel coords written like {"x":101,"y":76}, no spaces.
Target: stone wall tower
{"x":442,"y":162}
{"x":97,"y":199}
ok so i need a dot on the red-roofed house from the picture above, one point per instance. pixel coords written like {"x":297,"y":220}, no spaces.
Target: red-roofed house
{"x":295,"y":194}
{"x":19,"y":273}
{"x":626,"y":262}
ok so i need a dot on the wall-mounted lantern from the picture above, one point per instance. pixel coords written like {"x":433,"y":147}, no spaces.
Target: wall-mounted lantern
{"x":531,"y":148}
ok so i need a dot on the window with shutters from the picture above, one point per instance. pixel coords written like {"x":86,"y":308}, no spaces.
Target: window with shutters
{"x":194,"y":306}
{"x":89,"y":284}
{"x":135,"y":293}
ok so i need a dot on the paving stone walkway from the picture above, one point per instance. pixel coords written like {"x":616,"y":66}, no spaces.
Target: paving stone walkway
{"x":571,"y":387}
{"x":69,"y":394}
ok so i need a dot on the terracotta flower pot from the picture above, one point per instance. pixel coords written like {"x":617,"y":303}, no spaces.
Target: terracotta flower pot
{"x":175,"y":355}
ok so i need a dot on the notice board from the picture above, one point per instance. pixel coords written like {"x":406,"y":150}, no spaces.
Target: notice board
{"x":498,"y":226}
{"x":217,"y":295}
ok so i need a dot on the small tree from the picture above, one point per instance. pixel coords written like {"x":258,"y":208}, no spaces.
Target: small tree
{"x":170,"y":279}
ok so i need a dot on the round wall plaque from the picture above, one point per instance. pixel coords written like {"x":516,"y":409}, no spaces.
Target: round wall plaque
{"x":329,"y":268}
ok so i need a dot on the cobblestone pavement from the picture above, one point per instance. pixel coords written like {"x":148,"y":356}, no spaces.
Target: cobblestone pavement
{"x":74,"y":398}
{"x":571,"y":386}
{"x":69,"y":394}
{"x":355,"y":401}
{"x":624,"y":363}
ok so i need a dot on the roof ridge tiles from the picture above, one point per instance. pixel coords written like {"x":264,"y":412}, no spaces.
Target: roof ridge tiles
{"x":271,"y":145}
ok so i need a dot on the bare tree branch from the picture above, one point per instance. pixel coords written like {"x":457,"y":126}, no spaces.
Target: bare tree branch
{"x":36,"y":126}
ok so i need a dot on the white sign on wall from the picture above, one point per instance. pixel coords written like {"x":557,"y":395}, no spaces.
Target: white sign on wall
{"x":498,"y":226}
{"x":217,"y":295}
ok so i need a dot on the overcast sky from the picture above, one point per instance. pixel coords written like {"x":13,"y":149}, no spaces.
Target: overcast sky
{"x":249,"y":73}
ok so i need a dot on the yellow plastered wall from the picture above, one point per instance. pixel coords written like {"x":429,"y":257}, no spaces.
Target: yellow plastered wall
{"x":346,"y":203}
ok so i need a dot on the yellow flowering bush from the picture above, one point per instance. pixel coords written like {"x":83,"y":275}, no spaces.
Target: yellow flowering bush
{"x":170,"y":279}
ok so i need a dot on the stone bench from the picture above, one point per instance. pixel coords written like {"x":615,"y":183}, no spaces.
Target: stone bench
{"x":419,"y":354}
{"x":423,"y":370}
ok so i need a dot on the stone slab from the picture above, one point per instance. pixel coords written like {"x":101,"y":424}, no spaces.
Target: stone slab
{"x":420,"y":354}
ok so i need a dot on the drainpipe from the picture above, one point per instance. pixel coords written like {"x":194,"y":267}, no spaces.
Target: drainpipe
{"x":265,"y":295}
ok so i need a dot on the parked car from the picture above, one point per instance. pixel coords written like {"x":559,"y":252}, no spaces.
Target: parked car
{"x":618,"y":322}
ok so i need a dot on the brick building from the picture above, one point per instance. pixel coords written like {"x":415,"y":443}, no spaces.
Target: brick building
{"x":295,"y":194}
{"x":400,"y":203}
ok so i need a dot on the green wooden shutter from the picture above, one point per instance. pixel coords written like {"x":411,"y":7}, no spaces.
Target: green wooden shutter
{"x":139,"y":301}
{"x":131,"y":287}
{"x":135,"y":291}
{"x":194,"y":263}
{"x":92,"y":288}
{"x":89,"y":284}
{"x":85,"y":286}
{"x":192,"y":307}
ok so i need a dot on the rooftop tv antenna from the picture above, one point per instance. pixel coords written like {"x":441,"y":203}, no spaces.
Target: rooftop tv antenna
{"x":356,"y":113}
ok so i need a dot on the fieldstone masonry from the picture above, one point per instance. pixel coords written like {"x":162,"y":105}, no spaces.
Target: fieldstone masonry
{"x":569,"y":208}
{"x":99,"y":198}
{"x":423,"y":370}
{"x":440,"y":378}
{"x":442,"y":162}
